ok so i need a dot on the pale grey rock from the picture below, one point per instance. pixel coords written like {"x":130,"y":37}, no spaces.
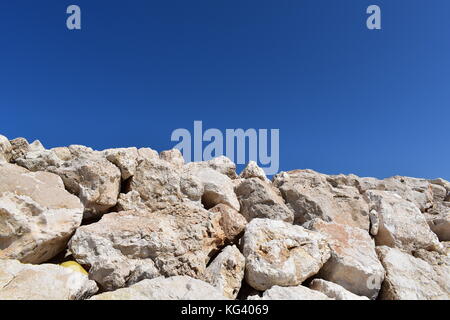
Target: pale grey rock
{"x":176,"y":240}
{"x":278,"y":253}
{"x":334,"y":291}
{"x":313,"y":195}
{"x":173,"y":288}
{"x":5,"y":149}
{"x":291,"y":293}
{"x":223,"y":165}
{"x":354,"y":262}
{"x":438,"y":218}
{"x":42,"y":282}
{"x":258,"y":199}
{"x":37,"y":215}
{"x":252,"y":170}
{"x":126,"y":159}
{"x":86,"y":173}
{"x":408,"y":278}
{"x":374,"y":222}
{"x":173,"y":156}
{"x":401,"y":224}
{"x":226,"y":272}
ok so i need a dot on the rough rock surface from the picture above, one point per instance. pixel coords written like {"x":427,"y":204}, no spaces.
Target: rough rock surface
{"x":85,"y":172}
{"x":334,"y":291}
{"x":44,"y":282}
{"x":173,"y":288}
{"x":291,"y":293}
{"x":401,"y":224}
{"x":313,"y":195}
{"x":409,"y":278}
{"x":253,"y":171}
{"x":37,"y":215}
{"x":278,"y":253}
{"x":5,"y":149}
{"x":226,"y":272}
{"x":259,"y":199}
{"x":126,"y":247}
{"x":353,"y":263}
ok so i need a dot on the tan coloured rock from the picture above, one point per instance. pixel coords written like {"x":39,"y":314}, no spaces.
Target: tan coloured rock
{"x":5,"y":149}
{"x":173,"y":288}
{"x":37,"y":215}
{"x":126,"y":159}
{"x":291,"y":293}
{"x":401,"y":224}
{"x":278,"y":253}
{"x":232,"y":222}
{"x":259,"y":199}
{"x":334,"y":291}
{"x":226,"y":272}
{"x":126,"y":247}
{"x":313,"y":195}
{"x":408,"y":278}
{"x":252,"y":170}
{"x":86,"y":174}
{"x":42,"y":282}
{"x":354,"y":262}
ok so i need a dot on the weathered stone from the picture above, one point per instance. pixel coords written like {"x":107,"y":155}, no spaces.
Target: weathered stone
{"x":313,"y":195}
{"x":5,"y":149}
{"x":401,"y":224}
{"x":125,"y":159}
{"x":354,"y":262}
{"x":334,"y":291}
{"x":173,"y":156}
{"x":258,"y":199}
{"x":177,"y":240}
{"x":253,"y":171}
{"x":173,"y":288}
{"x":232,"y":222}
{"x":278,"y":253}
{"x":42,"y":282}
{"x":226,"y":272}
{"x":408,"y":278}
{"x":438,"y":218}
{"x":291,"y":293}
{"x":441,"y":265}
{"x":86,"y":173}
{"x":374,"y":222}
{"x":37,"y":215}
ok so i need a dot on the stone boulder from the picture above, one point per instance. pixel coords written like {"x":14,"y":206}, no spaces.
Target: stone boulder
{"x":259,"y":199}
{"x":86,"y":173}
{"x":401,"y":224}
{"x":313,"y":195}
{"x":42,"y":282}
{"x":126,"y":247}
{"x":37,"y":215}
{"x":291,"y":293}
{"x":173,"y":288}
{"x":278,"y":253}
{"x":252,"y":170}
{"x":126,"y":159}
{"x":226,"y":272}
{"x":5,"y":149}
{"x":408,"y":278}
{"x":354,"y":262}
{"x":334,"y":291}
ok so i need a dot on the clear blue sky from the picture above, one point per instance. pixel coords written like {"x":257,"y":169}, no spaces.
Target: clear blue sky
{"x":346,"y":99}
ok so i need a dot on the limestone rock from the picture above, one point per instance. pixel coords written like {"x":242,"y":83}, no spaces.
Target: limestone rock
{"x":313,"y":195}
{"x":37,"y":215}
{"x":259,"y":200}
{"x":226,"y":272}
{"x":333,"y":290}
{"x":253,"y":171}
{"x":354,"y":262}
{"x":85,"y":172}
{"x":278,"y":253}
{"x":5,"y":149}
{"x":401,"y":224}
{"x":125,"y":247}
{"x":173,"y":156}
{"x":291,"y":293}
{"x":438,"y":218}
{"x":441,"y":265}
{"x":173,"y":288}
{"x":231,"y":221}
{"x":42,"y":282}
{"x":125,"y":159}
{"x":408,"y":278}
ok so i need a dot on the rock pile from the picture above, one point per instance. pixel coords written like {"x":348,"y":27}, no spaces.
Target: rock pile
{"x":137,"y":224}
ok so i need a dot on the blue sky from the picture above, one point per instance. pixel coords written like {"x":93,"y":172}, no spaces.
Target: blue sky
{"x":346,"y":99}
